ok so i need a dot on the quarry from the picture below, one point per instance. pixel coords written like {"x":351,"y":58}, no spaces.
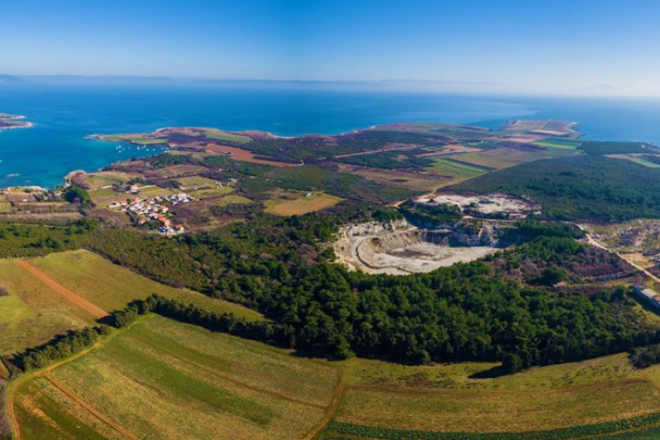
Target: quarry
{"x":422,"y":244}
{"x":399,"y":248}
{"x":491,"y":205}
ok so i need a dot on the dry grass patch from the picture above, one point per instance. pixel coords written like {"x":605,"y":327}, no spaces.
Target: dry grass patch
{"x":212,"y":193}
{"x":230,"y":200}
{"x":310,"y":202}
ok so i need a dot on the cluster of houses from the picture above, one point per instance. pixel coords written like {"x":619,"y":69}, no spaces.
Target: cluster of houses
{"x":155,"y":209}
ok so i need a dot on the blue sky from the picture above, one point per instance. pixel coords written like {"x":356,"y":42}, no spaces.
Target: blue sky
{"x":574,"y":47}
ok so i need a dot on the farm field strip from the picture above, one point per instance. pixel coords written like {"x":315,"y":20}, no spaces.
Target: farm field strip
{"x":229,"y":378}
{"x":558,"y":144}
{"x":210,"y":193}
{"x":32,"y":312}
{"x":497,"y":411}
{"x":635,"y":159}
{"x":71,"y":296}
{"x":24,"y":386}
{"x":230,"y":200}
{"x":111,"y":287}
{"x":71,"y":395}
{"x":455,"y":171}
{"x":276,"y":396}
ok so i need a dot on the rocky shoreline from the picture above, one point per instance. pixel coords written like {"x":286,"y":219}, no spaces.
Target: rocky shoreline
{"x":9,"y":122}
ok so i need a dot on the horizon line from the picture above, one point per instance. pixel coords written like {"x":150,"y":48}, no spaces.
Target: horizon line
{"x":385,"y":85}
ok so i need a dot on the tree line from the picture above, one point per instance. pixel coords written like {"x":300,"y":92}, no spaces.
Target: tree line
{"x":468,"y":312}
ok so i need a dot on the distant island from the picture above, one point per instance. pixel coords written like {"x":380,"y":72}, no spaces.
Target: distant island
{"x":8,"y":122}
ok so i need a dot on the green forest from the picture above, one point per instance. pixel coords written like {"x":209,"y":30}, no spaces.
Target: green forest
{"x":589,"y":187}
{"x":495,"y":309}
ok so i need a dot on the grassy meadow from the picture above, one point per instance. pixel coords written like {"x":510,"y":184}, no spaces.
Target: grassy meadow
{"x":32,"y":312}
{"x":170,"y":380}
{"x":111,"y":287}
{"x":211,"y":193}
{"x":173,"y":380}
{"x":454,"y":171}
{"x":163,"y":379}
{"x":460,"y":398}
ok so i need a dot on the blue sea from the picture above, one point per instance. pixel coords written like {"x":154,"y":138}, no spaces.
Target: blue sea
{"x":65,"y":115}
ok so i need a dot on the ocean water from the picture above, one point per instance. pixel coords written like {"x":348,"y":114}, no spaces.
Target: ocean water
{"x":64,"y":116}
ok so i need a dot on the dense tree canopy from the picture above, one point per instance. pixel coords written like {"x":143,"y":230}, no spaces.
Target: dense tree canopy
{"x":478,"y":311}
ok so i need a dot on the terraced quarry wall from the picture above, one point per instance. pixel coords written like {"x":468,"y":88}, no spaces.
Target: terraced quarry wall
{"x":400,"y":249}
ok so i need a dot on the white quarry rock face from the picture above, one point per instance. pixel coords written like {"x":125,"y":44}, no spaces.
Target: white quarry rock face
{"x":399,"y":248}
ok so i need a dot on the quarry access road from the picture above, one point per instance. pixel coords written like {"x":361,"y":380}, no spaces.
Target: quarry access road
{"x":595,"y":243}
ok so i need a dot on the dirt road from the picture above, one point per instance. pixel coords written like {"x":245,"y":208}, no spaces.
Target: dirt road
{"x":90,"y":308}
{"x":332,"y":408}
{"x":593,"y":242}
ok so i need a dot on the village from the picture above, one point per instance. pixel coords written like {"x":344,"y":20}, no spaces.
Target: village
{"x":155,"y":209}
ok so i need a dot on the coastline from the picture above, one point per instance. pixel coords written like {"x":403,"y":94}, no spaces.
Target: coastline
{"x":22,"y":125}
{"x":13,"y":121}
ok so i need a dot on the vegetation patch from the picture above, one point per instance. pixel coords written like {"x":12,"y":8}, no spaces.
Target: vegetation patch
{"x":157,"y":367}
{"x":592,"y":187}
{"x":111,"y":287}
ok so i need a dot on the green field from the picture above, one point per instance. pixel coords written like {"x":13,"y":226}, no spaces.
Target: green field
{"x":111,"y":287}
{"x":449,"y":399}
{"x":224,"y":136}
{"x":645,"y":162}
{"x":230,"y":200}
{"x":107,"y":178}
{"x":455,"y":170}
{"x":137,"y":139}
{"x":638,"y":159}
{"x":32,"y":312}
{"x":196,"y":182}
{"x":106,"y":196}
{"x":508,"y":157}
{"x":5,"y":207}
{"x":561,"y":144}
{"x":163,"y":379}
{"x":212,"y":193}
